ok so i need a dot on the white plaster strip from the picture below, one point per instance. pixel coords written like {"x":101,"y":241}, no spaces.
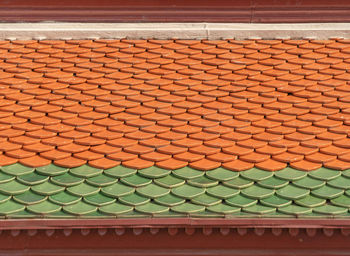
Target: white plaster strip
{"x":172,"y":30}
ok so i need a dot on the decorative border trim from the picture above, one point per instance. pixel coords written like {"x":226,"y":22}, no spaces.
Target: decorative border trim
{"x":174,"y":252}
{"x":172,"y":231}
{"x":177,"y":237}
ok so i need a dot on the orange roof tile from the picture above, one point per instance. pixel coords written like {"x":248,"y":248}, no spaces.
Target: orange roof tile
{"x":199,"y":103}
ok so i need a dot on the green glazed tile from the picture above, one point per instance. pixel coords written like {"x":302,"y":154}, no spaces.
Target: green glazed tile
{"x":273,"y":183}
{"x":4,"y":198}
{"x":207,"y":214}
{"x":347,"y":192}
{"x":60,"y":215}
{"x":10,"y":207}
{"x":170,"y":214}
{"x":295,"y":210}
{"x":187,"y":191}
{"x":169,"y":200}
{"x":32,"y":178}
{"x":188,"y":208}
{"x":23,"y":214}
{"x":117,"y":190}
{"x":188,"y":173}
{"x":238,"y":183}
{"x":309,"y":183}
{"x":342,"y":201}
{"x":13,"y":188}
{"x":79,"y":208}
{"x":315,"y":215}
{"x":16,"y":169}
{"x":47,"y":188}
{"x":222,"y":174}
{"x":259,"y":209}
{"x":257,"y":192}
{"x":310,"y":201}
{"x":51,"y":170}
{"x":202,"y":182}
{"x":241,"y":201}
{"x":153,"y":172}
{"x":256,"y":174}
{"x":206,"y":200}
{"x":85,"y":171}
{"x":120,"y":172}
{"x":29,"y":198}
{"x":151,"y":208}
{"x":340,"y":182}
{"x":290,"y":174}
{"x":115,"y":209}
{"x":203,"y":190}
{"x":330,"y":209}
{"x":224,"y":209}
{"x":136,"y":181}
{"x":222,"y":192}
{"x":83,"y":189}
{"x":346,"y":173}
{"x":134,"y":215}
{"x":64,"y":198}
{"x":101,"y":180}
{"x":152,"y":191}
{"x":95,"y":215}
{"x":327,"y":192}
{"x":275,"y":201}
{"x":292,"y":192}
{"x":67,"y":180}
{"x":134,"y":199}
{"x":99,"y":199}
{"x":280,"y":215}
{"x":44,"y":207}
{"x":324,"y":174}
{"x":5,"y":177}
{"x":169,"y":181}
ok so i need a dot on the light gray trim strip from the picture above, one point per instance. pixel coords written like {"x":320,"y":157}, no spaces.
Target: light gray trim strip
{"x":211,"y":31}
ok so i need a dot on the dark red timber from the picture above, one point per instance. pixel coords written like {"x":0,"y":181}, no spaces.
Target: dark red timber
{"x":175,"y":237}
{"x":175,"y":241}
{"x":249,"y":11}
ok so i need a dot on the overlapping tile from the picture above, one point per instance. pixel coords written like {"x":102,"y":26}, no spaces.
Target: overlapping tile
{"x":170,"y":104}
{"x":52,"y":191}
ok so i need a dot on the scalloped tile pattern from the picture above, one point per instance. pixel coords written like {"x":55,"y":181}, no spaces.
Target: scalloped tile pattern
{"x":87,"y":192}
{"x":234,"y":104}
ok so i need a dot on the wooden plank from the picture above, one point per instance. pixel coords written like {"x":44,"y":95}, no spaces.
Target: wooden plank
{"x":258,"y":11}
{"x":182,"y":243}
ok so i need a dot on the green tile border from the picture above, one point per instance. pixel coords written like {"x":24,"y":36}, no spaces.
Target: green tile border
{"x":87,"y":192}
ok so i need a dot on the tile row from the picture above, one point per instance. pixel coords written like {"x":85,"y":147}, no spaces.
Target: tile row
{"x":175,"y":103}
{"x":53,"y":192}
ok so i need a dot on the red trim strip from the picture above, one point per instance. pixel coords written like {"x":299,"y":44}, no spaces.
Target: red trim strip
{"x":171,"y":222}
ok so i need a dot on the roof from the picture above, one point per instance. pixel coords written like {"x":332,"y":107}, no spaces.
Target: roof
{"x":171,"y":128}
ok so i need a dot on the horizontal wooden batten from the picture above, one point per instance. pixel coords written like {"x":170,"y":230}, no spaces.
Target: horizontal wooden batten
{"x":173,"y":241}
{"x":249,"y":11}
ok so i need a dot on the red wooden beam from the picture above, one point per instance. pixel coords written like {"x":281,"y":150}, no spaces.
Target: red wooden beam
{"x":258,"y":11}
{"x":174,"y":237}
{"x":174,"y":242}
